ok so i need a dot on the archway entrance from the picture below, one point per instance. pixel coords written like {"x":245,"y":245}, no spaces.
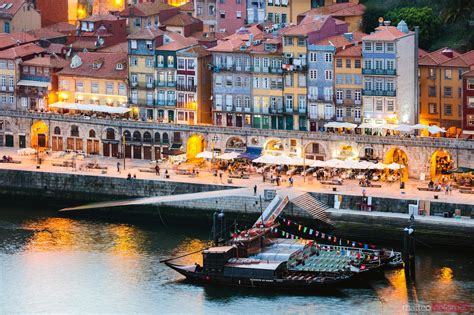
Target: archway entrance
{"x":274,"y":147}
{"x":441,"y":161}
{"x":314,"y":151}
{"x":399,"y":156}
{"x":39,"y":135}
{"x":194,"y":146}
{"x":235,"y":144}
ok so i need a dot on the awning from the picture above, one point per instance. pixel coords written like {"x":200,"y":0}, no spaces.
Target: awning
{"x":172,"y":152}
{"x":91,"y":108}
{"x":33,"y":83}
{"x":251,"y":153}
{"x":176,"y":146}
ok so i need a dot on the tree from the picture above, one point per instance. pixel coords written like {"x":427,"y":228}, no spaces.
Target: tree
{"x":371,"y":18}
{"x":455,"y":10}
{"x":423,"y":17}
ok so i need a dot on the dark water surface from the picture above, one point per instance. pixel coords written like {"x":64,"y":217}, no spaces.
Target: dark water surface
{"x":52,"y":264}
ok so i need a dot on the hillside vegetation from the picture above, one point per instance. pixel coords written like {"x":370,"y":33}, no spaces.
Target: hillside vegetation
{"x":442,"y":22}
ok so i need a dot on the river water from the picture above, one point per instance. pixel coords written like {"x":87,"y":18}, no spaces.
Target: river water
{"x":53,"y":264}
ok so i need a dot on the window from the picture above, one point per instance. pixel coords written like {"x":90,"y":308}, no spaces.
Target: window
{"x":447,"y":91}
{"x":301,"y":41}
{"x":238,"y":81}
{"x":432,"y":91}
{"x":33,"y":70}
{"x":247,"y":102}
{"x":228,"y":81}
{"x":181,"y":64}
{"x":379,"y":47}
{"x":339,"y":63}
{"x":238,"y":14}
{"x":122,"y":88}
{"x":288,"y":41}
{"x":313,"y":74}
{"x":218,"y":81}
{"x":432,"y":108}
{"x":313,"y":57}
{"x":379,"y":105}
{"x":348,"y":63}
{"x":339,"y":95}
{"x":302,"y":103}
{"x":390,"y":85}
{"x":378,"y":85}
{"x":199,"y":10}
{"x":149,"y":44}
{"x":448,"y":74}
{"x":390,"y":47}
{"x":80,"y":86}
{"x":470,"y":120}
{"x":390,"y":106}
{"x":289,"y":102}
{"x":459,"y":92}
{"x":357,"y":95}
{"x":74,"y":131}
{"x":149,"y":63}
{"x":301,"y":80}
{"x":470,"y":84}
{"x":339,"y":112}
{"x":378,"y":64}
{"x":357,"y":113}
{"x":432,"y":73}
{"x":289,"y":80}
{"x":368,"y":84}
{"x":470,"y":102}
{"x":357,"y":79}
{"x":170,"y":61}
{"x":133,"y":44}
{"x":368,"y":64}
{"x":11,"y":99}
{"x":190,"y":64}
{"x":57,"y":130}
{"x":390,"y":65}
{"x":161,"y":61}
{"x":328,"y":74}
{"x":448,"y":109}
{"x":133,"y":61}
{"x":367,"y":46}
{"x":94,"y":87}
{"x":339,"y":79}
{"x":328,"y":57}
{"x":357,"y":64}
{"x":348,"y":94}
{"x":218,"y":100}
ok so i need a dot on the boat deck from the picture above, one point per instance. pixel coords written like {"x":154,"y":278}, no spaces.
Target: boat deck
{"x":327,"y":261}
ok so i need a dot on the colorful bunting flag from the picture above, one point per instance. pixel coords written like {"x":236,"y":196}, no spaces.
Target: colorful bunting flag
{"x":304,"y":230}
{"x":310,"y":231}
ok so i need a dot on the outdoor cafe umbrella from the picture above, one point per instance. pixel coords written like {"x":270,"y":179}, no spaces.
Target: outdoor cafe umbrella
{"x":228,"y":156}
{"x":335,"y":124}
{"x":435,"y":129}
{"x":420,"y":126}
{"x":366,"y":126}
{"x":332,"y":163}
{"x":460,"y":170}
{"x":317,"y":163}
{"x":378,"y":166}
{"x":204,"y":155}
{"x":404,"y":128}
{"x":394,"y":166}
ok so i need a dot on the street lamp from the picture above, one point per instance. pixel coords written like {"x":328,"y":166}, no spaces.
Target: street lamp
{"x":123,"y":150}
{"x":304,"y":160}
{"x":213,"y":141}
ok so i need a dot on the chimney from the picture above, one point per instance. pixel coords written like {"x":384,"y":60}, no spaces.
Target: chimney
{"x":386,"y":23}
{"x":349,"y":36}
{"x":448,"y":53}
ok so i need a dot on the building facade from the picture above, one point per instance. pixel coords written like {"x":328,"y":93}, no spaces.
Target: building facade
{"x":231,"y":15}
{"x":468,"y":102}
{"x":18,"y":16}
{"x":147,"y":14}
{"x":388,"y":70}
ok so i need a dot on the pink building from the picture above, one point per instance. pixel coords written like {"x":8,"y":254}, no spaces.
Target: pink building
{"x":230,"y":15}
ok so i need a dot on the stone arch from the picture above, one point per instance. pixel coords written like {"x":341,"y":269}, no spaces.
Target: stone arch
{"x":137,"y":136}
{"x":92,"y":133}
{"x":235,"y":142}
{"x":74,"y":131}
{"x":165,"y":138}
{"x":194,"y":145}
{"x":57,"y":130}
{"x":147,"y":137}
{"x":274,"y":146}
{"x":157,"y":137}
{"x":398,"y":155}
{"x":440,"y":162}
{"x":127,"y":135}
{"x":39,"y":134}
{"x":368,"y":152}
{"x":314,"y":150}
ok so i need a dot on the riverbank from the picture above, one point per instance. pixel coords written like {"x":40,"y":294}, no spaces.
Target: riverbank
{"x":197,"y":201}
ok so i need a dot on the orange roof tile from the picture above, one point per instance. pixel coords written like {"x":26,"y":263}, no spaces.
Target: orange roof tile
{"x":107,"y":70}
{"x":11,"y":6}
{"x":180,"y":19}
{"x":21,"y":51}
{"x":341,"y":40}
{"x":145,"y":9}
{"x":386,"y":33}
{"x":47,"y":61}
{"x":8,"y":40}
{"x":338,"y":9}
{"x":436,"y":57}
{"x":46,"y":33}
{"x":146,"y":33}
{"x":178,"y":42}
{"x":353,"y":51}
{"x":99,"y":17}
{"x":188,"y":6}
{"x":465,"y":60}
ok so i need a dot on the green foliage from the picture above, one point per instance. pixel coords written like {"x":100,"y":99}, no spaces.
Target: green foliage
{"x":423,"y":17}
{"x":370,"y":18}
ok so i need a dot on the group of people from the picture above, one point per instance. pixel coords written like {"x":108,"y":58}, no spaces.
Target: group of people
{"x":443,"y":184}
{"x":7,"y":159}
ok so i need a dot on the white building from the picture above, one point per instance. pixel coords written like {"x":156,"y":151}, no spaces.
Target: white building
{"x":388,"y":68}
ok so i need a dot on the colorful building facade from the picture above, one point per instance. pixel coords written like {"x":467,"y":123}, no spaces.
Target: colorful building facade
{"x":468,"y":102}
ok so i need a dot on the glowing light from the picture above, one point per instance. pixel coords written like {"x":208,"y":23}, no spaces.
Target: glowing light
{"x":63,"y":95}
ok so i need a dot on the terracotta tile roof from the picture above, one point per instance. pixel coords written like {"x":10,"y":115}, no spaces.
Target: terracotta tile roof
{"x":62,"y":27}
{"x":107,"y":70}
{"x":188,"y":6}
{"x":234,"y":42}
{"x":48,"y":61}
{"x":178,"y":42}
{"x":117,"y":48}
{"x":197,"y":50}
{"x":468,"y":73}
{"x":147,"y":33}
{"x":8,"y":40}
{"x":98,"y":18}
{"x":180,"y":19}
{"x":341,"y":40}
{"x":314,"y":23}
{"x":46,"y":33}
{"x":465,"y":60}
{"x":339,"y":9}
{"x":386,"y":33}
{"x":353,"y":51}
{"x":145,"y":9}
{"x":207,"y":36}
{"x":54,"y":48}
{"x":83,"y":43}
{"x":12,"y":6}
{"x":436,"y":57}
{"x":21,"y":51}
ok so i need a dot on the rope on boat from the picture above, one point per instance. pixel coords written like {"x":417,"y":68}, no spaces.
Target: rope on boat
{"x":184,"y":255}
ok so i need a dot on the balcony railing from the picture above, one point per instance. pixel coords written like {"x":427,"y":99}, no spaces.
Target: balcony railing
{"x":339,"y":101}
{"x":379,"y":71}
{"x":321,"y":98}
{"x":378,"y":93}
{"x":276,"y":110}
{"x":186,"y":88}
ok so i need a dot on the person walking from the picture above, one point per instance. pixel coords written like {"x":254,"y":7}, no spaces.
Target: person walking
{"x":118,"y":167}
{"x":157,"y":170}
{"x":220,"y":175}
{"x":255,"y":190}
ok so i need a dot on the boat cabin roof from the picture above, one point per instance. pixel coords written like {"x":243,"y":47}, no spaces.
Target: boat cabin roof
{"x":259,"y":266}
{"x":219,"y":249}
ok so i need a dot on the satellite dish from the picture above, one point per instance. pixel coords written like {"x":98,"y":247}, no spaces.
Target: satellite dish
{"x":380,"y":19}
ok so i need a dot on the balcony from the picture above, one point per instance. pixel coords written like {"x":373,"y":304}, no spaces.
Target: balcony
{"x":339,"y":101}
{"x":171,"y":84}
{"x":229,"y":108}
{"x":302,"y":110}
{"x":171,"y":102}
{"x":161,"y":102}
{"x":379,"y":71}
{"x":378,"y":93}
{"x":357,"y":102}
{"x":290,"y":67}
{"x":276,"y":70}
{"x":276,"y":110}
{"x":218,"y":107}
{"x":149,"y":85}
{"x":186,"y":88}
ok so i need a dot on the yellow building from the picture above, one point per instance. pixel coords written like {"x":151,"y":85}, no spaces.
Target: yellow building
{"x":295,"y":72}
{"x":348,"y":84}
{"x":94,"y":79}
{"x":441,"y":89}
{"x":286,"y":11}
{"x":18,"y":16}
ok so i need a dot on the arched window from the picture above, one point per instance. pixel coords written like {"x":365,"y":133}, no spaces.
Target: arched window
{"x":157,"y":137}
{"x":166,"y":139}
{"x":92,"y":133}
{"x":147,"y":137}
{"x":137,"y":136}
{"x":74,"y":131}
{"x":110,"y":134}
{"x":369,"y":152}
{"x":127,"y":135}
{"x":57,"y":131}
